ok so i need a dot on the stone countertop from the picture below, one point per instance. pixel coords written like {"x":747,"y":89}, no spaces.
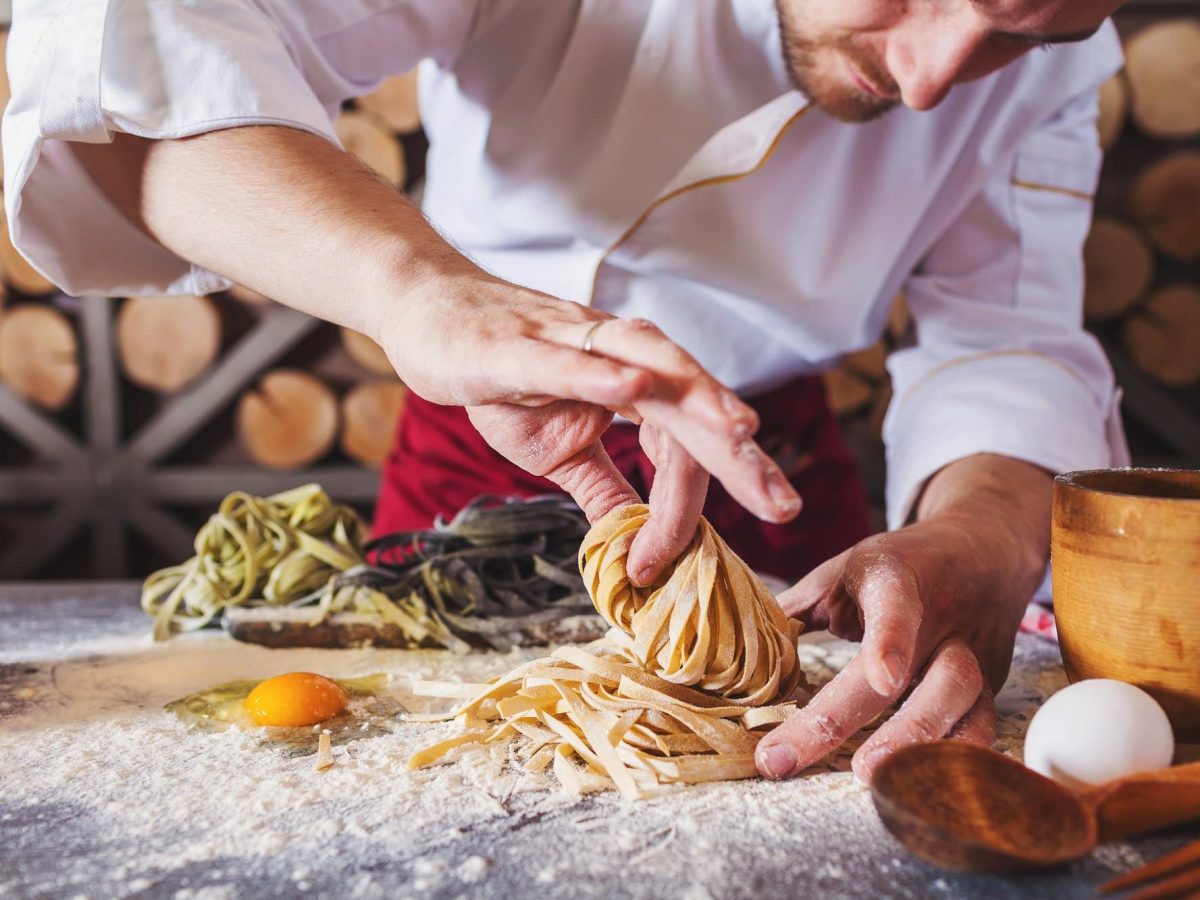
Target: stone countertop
{"x":835,"y":848}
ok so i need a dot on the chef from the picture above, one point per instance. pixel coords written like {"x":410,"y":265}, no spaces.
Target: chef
{"x":678,"y":212}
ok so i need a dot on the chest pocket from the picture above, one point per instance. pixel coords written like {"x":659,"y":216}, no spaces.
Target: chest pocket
{"x":1053,"y":183}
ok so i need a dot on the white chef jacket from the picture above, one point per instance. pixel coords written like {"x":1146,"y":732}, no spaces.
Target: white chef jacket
{"x":651,"y":158}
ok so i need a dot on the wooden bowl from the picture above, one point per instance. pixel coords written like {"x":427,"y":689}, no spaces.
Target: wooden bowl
{"x":1125,"y":556}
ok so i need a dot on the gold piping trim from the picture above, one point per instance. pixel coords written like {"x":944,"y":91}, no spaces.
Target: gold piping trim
{"x":1051,"y":189}
{"x":695,"y":185}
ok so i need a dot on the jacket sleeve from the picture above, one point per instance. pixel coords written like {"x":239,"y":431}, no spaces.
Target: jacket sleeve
{"x":1002,"y":363}
{"x":83,"y":70}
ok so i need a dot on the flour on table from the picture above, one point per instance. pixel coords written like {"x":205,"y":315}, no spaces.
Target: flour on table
{"x":91,"y":752}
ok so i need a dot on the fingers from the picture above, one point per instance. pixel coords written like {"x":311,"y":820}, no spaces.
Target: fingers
{"x":888,"y":594}
{"x":682,"y":380}
{"x":949,"y":697}
{"x":594,"y":482}
{"x":838,"y":710}
{"x":978,"y":726}
{"x":806,"y":599}
{"x":750,"y":476}
{"x":560,"y":441}
{"x":708,"y":419}
{"x":676,"y":499}
{"x":544,"y":370}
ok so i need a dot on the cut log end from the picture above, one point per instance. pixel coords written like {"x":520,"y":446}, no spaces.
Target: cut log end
{"x":366,"y":352}
{"x":847,"y":392}
{"x":291,"y":421}
{"x":376,"y":148}
{"x":395,"y":102}
{"x":1162,"y":63}
{"x":16,"y":271}
{"x":1119,"y":268}
{"x":899,"y":318}
{"x":1165,"y":201}
{"x":369,"y":415}
{"x":164,"y":343}
{"x":869,"y":363}
{"x":1163,"y":336}
{"x":38,"y":355}
{"x":1114,"y":109}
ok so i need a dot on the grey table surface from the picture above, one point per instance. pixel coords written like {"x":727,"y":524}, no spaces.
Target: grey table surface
{"x":35,"y":838}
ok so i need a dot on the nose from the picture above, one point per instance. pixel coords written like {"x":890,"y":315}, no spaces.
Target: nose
{"x":927,"y":55}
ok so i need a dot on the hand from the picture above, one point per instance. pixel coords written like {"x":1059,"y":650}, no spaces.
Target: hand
{"x":936,"y":606}
{"x":318,"y":231}
{"x":514,"y":358}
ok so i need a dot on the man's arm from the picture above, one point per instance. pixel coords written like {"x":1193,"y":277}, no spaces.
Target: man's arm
{"x":292,"y":216}
{"x":235,"y":173}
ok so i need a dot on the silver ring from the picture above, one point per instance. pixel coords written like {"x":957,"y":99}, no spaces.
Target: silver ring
{"x":590,"y":336}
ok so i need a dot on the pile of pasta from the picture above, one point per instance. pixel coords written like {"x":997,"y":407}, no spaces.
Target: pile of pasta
{"x":693,"y":671}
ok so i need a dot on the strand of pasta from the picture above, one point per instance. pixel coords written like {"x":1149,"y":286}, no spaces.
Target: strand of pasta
{"x":692,"y":672}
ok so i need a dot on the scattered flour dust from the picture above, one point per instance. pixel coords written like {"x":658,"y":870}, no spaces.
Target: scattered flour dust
{"x":134,"y":801}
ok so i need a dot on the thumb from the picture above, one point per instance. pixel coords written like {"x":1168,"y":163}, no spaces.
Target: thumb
{"x":807,"y":599}
{"x":594,"y":482}
{"x":676,"y":500}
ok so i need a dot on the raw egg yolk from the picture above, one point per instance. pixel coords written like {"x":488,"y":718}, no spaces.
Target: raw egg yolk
{"x":295,"y":699}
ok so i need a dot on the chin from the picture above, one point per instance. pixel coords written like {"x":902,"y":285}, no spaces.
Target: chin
{"x":854,"y":108}
{"x":848,"y":104}
{"x":816,"y":75}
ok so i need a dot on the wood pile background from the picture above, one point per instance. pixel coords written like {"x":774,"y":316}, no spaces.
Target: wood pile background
{"x":124,"y":421}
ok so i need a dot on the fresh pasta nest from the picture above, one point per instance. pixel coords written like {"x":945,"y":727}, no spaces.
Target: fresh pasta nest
{"x":693,"y":671}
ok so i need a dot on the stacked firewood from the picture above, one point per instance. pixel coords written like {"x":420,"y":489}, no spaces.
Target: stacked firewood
{"x":291,"y":417}
{"x":1141,"y":256}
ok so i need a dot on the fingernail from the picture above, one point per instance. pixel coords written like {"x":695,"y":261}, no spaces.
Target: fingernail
{"x":861,"y":771}
{"x":644,"y":577}
{"x":782,"y":493}
{"x":738,"y":411}
{"x":777,"y":760}
{"x":895,"y":665}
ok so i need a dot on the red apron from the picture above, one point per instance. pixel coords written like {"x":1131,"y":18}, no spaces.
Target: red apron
{"x":439,"y":463}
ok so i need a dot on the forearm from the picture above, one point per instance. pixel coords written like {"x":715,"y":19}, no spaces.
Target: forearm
{"x":283,"y":212}
{"x":1004,"y":501}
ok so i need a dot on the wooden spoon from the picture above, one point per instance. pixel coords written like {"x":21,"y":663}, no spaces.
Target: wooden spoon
{"x":966,"y":808}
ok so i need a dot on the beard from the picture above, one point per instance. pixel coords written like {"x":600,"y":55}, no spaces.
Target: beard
{"x":817,"y":67}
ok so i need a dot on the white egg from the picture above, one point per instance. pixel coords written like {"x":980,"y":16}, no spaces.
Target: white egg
{"x":1097,"y":730}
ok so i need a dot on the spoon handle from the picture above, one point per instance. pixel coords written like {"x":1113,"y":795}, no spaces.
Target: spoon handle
{"x":1147,"y":802}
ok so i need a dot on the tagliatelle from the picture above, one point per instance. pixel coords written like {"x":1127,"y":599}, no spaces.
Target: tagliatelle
{"x":693,"y":671}
{"x":500,"y":570}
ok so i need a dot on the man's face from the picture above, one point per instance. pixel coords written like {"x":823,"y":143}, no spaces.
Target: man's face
{"x":856,"y":59}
